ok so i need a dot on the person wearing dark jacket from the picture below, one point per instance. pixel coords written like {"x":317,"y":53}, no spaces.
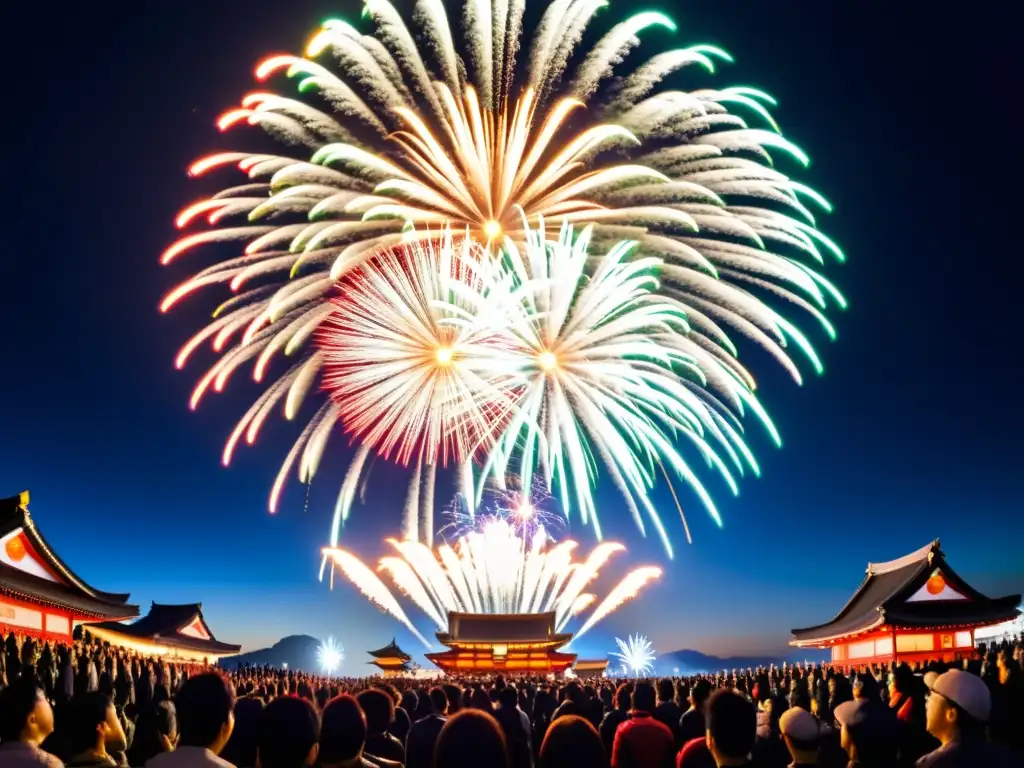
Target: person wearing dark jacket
{"x":667,"y":711}
{"x":615,"y":717}
{"x":691,"y":724}
{"x":419,"y":748}
{"x":514,"y":724}
{"x":380,"y":715}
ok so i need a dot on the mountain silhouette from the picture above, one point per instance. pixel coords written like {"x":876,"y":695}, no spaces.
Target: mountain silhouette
{"x":691,"y":662}
{"x":296,"y":651}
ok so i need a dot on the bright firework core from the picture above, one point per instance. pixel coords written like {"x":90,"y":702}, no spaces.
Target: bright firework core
{"x":330,"y":655}
{"x":492,"y":229}
{"x":444,"y":355}
{"x":547,"y":360}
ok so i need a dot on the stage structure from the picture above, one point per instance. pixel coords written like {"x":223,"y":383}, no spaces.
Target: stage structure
{"x":911,"y":609}
{"x":524,"y":642}
{"x":173,"y":632}
{"x":391,"y":660}
{"x":39,"y":594}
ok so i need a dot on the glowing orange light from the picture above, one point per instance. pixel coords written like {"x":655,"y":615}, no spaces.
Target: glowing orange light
{"x":936,"y":584}
{"x":443,"y":355}
{"x":492,"y":229}
{"x":547,"y":360}
{"x":15,"y":549}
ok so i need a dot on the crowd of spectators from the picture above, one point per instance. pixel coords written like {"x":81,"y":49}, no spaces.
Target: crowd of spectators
{"x":87,"y":705}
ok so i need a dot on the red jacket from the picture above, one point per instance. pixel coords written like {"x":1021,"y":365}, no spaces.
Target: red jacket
{"x":643,"y":742}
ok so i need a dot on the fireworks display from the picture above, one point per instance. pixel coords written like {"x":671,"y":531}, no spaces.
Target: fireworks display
{"x":393,"y":143}
{"x":494,"y":571}
{"x":636,"y":655}
{"x":330,"y":655}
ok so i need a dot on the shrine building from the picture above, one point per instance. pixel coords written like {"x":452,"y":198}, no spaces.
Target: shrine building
{"x":391,"y":660}
{"x":502,"y":643}
{"x":172,"y":632}
{"x":40,"y":595}
{"x":915,"y":608}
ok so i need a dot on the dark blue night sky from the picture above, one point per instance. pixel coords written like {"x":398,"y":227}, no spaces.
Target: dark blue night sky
{"x":913,"y":433}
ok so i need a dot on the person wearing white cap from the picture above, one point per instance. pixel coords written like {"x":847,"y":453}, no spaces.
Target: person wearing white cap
{"x":800,"y":732}
{"x":958,"y":709}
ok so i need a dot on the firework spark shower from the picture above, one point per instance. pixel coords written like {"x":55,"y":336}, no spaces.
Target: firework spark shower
{"x":496,"y":570}
{"x":390,"y":143}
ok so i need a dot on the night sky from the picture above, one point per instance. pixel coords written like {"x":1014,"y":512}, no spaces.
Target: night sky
{"x":913,"y":433}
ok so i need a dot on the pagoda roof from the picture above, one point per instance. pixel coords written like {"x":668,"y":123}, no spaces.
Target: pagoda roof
{"x":38,"y":574}
{"x":175,"y":626}
{"x":917,"y":590}
{"x":501,"y":628}
{"x":389,"y":650}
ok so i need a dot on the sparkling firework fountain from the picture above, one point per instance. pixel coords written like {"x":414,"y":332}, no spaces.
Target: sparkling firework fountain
{"x":390,"y":141}
{"x":636,"y":655}
{"x":493,"y":570}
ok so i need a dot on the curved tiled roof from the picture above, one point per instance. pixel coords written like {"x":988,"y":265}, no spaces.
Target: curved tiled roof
{"x":881,"y":600}
{"x":74,"y":594}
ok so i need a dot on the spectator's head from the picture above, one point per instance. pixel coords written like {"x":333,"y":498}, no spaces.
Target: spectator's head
{"x":241,"y":747}
{"x":25,"y":714}
{"x":379,"y":708}
{"x":92,"y":726}
{"x":289,"y":734}
{"x":869,"y":731}
{"x":666,"y":690}
{"x":700,"y":693}
{"x":731,"y":726}
{"x":865,"y":687}
{"x":470,"y":739}
{"x":901,"y":681}
{"x":206,"y":711}
{"x":571,"y":740}
{"x":623,"y":696}
{"x":958,"y":706}
{"x":800,"y":732}
{"x":409,"y":702}
{"x":508,"y":698}
{"x":438,"y":701}
{"x":342,"y":731}
{"x":454,"y":696}
{"x":643,"y":696}
{"x":156,"y":731}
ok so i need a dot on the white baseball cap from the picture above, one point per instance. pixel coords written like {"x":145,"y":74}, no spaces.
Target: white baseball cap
{"x":799,"y":724}
{"x":967,"y":691}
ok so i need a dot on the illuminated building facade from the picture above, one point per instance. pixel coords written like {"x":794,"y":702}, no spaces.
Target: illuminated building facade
{"x":173,"y":632}
{"x":914,"y":608}
{"x":502,"y":643}
{"x":39,"y":594}
{"x":391,"y":660}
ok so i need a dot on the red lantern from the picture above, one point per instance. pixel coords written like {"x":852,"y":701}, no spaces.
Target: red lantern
{"x":15,"y":549}
{"x":936,"y":584}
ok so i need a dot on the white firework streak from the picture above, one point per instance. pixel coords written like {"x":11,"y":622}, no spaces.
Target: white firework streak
{"x":492,"y":570}
{"x":385,"y":135}
{"x":637,"y":655}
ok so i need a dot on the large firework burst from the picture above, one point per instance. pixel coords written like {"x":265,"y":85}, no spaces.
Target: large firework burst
{"x":386,"y":134}
{"x":494,"y":569}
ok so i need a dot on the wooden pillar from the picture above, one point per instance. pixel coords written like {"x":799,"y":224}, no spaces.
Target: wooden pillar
{"x":894,"y":643}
